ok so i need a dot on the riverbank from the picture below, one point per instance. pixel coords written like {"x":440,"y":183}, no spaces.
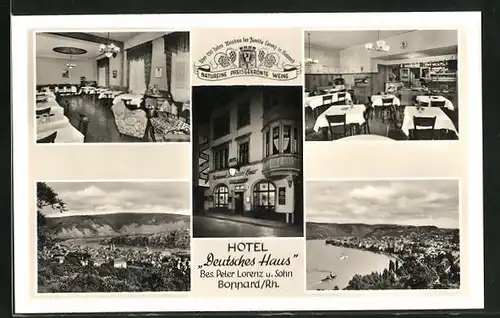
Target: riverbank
{"x":356,"y":247}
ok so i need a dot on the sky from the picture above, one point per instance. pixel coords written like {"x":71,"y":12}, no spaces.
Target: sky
{"x":84,"y":198}
{"x":405,"y":202}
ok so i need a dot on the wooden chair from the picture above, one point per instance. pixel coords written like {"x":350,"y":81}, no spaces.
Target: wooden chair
{"x":41,"y":112}
{"x":337,"y":121}
{"x":437,"y":103}
{"x":367,"y":115}
{"x":341,"y":97}
{"x":423,"y":128}
{"x":83,"y":124}
{"x":387,"y":108}
{"x":50,"y":139}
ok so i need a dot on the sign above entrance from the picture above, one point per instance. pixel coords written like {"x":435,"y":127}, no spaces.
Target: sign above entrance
{"x":240,"y":180}
{"x":241,"y":173}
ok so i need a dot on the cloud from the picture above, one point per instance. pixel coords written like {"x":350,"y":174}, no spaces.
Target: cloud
{"x":83,"y":198}
{"x":416,"y":202}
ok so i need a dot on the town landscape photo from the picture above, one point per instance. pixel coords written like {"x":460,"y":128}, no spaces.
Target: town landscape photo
{"x":380,"y":235}
{"x":113,"y":236}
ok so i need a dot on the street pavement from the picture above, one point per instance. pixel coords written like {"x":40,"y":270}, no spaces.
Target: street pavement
{"x":205,"y":226}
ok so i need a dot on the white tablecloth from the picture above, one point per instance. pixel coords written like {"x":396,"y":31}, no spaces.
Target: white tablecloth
{"x":135,"y":99}
{"x":51,"y":103}
{"x":51,"y":123}
{"x":366,"y":137}
{"x":442,"y":120}
{"x":109,"y":94}
{"x":354,"y":115}
{"x":315,"y":101}
{"x":66,"y":134}
{"x":426,"y":99}
{"x":377,"y":100}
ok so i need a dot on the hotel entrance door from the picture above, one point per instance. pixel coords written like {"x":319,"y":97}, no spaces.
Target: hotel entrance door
{"x":238,"y":203}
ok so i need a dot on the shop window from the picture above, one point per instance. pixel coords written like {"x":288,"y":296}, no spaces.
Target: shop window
{"x":221,"y":157}
{"x":221,"y":196}
{"x":243,"y":115}
{"x":264,"y":196}
{"x":276,"y":140}
{"x":243,"y":152}
{"x":221,"y":126}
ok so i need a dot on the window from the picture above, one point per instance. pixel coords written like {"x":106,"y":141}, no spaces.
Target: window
{"x":264,"y":196}
{"x":286,"y":138}
{"x":243,"y":152}
{"x":267,"y":143}
{"x":276,"y":140}
{"x":295,"y":144}
{"x":221,"y":157}
{"x":243,"y":115}
{"x":221,"y":126}
{"x":221,"y":196}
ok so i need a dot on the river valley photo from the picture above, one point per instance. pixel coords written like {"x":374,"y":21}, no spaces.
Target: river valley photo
{"x":383,"y":235}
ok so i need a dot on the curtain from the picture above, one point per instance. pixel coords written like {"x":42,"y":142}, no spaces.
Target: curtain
{"x":175,"y":43}
{"x":101,"y":77}
{"x":180,"y":76}
{"x":103,"y":72}
{"x":137,"y":85}
{"x":139,"y":56}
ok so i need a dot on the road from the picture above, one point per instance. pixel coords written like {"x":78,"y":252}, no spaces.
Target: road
{"x":211,"y":227}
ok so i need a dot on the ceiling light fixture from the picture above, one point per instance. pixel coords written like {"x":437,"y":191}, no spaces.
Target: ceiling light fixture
{"x":379,"y":46}
{"x":109,"y":50}
{"x":310,"y":60}
{"x":70,"y":65}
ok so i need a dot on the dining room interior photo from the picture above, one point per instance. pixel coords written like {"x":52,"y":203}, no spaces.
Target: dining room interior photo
{"x":108,"y":87}
{"x":381,"y":85}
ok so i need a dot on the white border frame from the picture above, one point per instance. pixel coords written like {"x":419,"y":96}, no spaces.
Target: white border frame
{"x":471,"y":21}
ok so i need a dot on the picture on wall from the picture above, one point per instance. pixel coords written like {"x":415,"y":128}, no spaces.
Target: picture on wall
{"x":65,"y":74}
{"x":158,"y":72}
{"x":115,"y":73}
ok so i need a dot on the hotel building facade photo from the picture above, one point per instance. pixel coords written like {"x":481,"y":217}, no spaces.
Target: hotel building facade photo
{"x":248,"y":159}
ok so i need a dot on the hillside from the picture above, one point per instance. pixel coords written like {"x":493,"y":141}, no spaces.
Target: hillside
{"x":117,"y":224}
{"x":325,"y":230}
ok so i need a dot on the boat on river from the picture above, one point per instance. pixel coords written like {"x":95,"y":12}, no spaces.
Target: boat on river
{"x":329,"y":277}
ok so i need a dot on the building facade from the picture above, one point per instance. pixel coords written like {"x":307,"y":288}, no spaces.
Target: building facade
{"x":250,"y":155}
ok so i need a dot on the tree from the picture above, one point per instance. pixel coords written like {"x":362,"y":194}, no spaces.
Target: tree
{"x":46,"y":196}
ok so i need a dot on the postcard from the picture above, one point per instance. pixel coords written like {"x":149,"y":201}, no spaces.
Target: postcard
{"x":282,"y":162}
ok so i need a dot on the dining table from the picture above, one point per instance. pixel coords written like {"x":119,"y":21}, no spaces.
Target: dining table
{"x":55,"y":120}
{"x":377,"y":100}
{"x":427,"y":100}
{"x":316,"y":101}
{"x":133,"y":99}
{"x":354,"y":115}
{"x":366,"y":137}
{"x":442,"y":120}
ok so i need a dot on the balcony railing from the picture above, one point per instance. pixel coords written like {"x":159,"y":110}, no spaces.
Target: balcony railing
{"x":282,"y":164}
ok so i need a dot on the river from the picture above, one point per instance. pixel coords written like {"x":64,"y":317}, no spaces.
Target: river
{"x":96,"y":243}
{"x":323,"y":258}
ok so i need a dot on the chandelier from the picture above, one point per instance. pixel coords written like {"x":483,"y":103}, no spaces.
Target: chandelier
{"x":109,"y":50}
{"x":70,"y":65}
{"x":379,"y":46}
{"x":310,"y":60}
